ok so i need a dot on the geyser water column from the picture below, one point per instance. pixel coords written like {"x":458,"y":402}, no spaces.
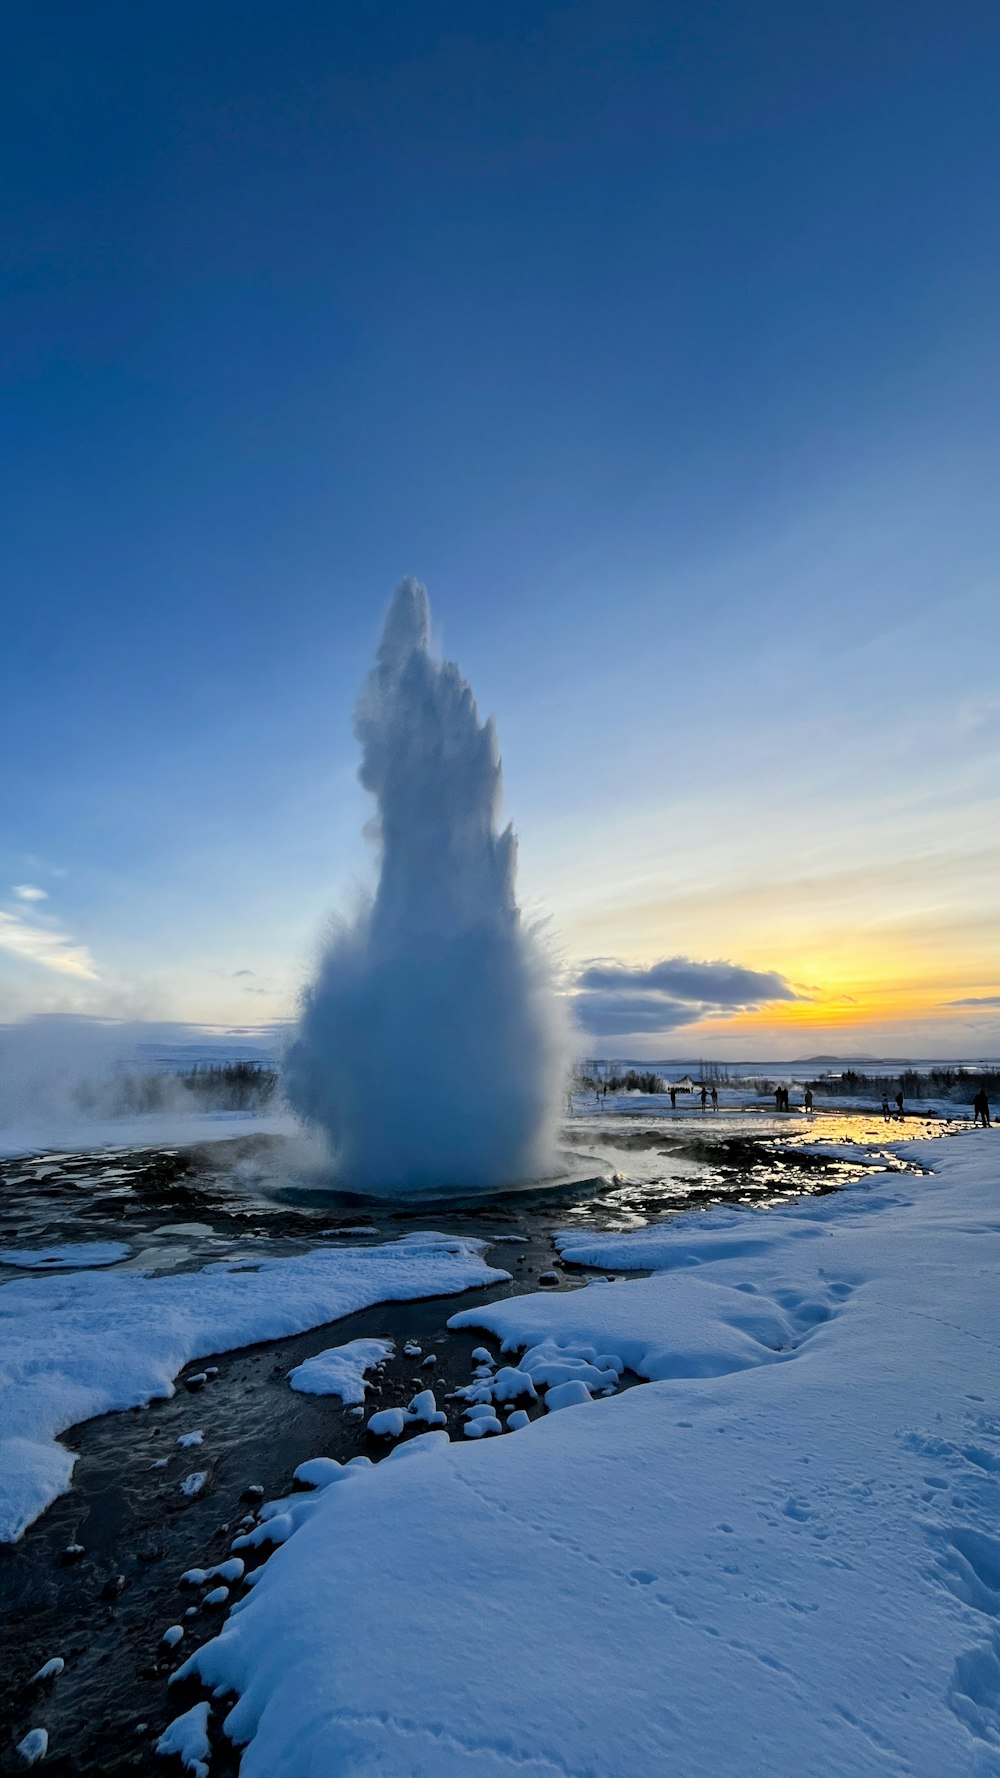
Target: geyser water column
{"x":431,"y":1044}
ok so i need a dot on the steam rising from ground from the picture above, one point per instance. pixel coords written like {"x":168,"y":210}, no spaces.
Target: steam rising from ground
{"x":431,"y":1048}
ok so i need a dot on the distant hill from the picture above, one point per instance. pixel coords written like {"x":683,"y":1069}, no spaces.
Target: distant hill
{"x":813,"y":1061}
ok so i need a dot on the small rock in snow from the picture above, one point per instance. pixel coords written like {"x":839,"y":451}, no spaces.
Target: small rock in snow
{"x":187,"y":1439}
{"x":510,"y":1384}
{"x":198,"y":1381}
{"x":388,"y":1423}
{"x":194,"y":1483}
{"x":172,"y":1636}
{"x":318,"y":1472}
{"x":211,"y":1370}
{"x":34,"y":1746}
{"x":567,"y":1395}
{"x":481,"y":1356}
{"x":194,"y":1577}
{"x":113,"y":1586}
{"x":429,"y":1360}
{"x":253,"y":1492}
{"x":50,"y":1670}
{"x":217,"y":1596}
{"x":516,"y":1420}
{"x":231,"y":1570}
{"x":187,"y":1737}
{"x":71,"y":1553}
{"x":548,"y":1277}
{"x":481,"y":1425}
{"x":192,"y":1611}
{"x":423,"y":1407}
{"x":159,"y":1463}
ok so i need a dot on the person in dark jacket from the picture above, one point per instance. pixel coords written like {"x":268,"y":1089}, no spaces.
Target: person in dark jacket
{"x":981,"y":1108}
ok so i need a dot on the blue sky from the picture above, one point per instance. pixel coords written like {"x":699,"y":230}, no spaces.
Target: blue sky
{"x":660,"y":341}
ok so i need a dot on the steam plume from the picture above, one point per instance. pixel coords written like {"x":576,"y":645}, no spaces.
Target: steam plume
{"x":430,"y":1047}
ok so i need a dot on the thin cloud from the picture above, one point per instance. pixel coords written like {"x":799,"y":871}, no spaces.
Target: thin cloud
{"x":239,"y":972}
{"x":977,"y":1000}
{"x":46,"y":946}
{"x":29,"y":892}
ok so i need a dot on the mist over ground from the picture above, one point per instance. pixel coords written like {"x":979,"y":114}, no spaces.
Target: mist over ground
{"x":70,"y":1080}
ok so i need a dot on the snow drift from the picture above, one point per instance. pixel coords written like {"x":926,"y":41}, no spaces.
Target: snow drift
{"x":430,"y":1049}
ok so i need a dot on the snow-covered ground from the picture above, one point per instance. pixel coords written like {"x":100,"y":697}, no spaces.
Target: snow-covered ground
{"x":77,"y":1344}
{"x":780,"y":1556}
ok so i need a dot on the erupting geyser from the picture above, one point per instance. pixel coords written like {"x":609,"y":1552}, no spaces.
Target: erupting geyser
{"x":431,"y":1045}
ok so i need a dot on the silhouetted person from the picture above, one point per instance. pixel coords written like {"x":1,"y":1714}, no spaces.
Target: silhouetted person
{"x":704,"y":1097}
{"x":808,"y":1099}
{"x":885,"y":1106}
{"x":777,"y":1099}
{"x":715,"y":1099}
{"x":673,"y":1098}
{"x":899,"y":1105}
{"x":981,"y":1108}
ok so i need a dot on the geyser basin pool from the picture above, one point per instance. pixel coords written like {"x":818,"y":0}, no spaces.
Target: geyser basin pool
{"x":430,"y":1050}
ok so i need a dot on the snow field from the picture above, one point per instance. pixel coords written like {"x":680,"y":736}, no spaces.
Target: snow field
{"x":781,"y":1556}
{"x":77,"y":1344}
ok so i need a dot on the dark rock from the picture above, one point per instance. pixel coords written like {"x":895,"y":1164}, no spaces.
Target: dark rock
{"x":113,"y":1586}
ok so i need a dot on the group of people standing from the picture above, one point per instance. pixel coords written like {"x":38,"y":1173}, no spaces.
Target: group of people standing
{"x":900,"y":1110}
{"x":781,"y":1099}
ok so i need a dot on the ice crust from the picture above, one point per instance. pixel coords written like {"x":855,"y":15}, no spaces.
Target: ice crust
{"x":781,"y":1556}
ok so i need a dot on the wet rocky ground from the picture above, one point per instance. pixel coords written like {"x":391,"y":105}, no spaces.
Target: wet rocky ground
{"x":97,"y":1579}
